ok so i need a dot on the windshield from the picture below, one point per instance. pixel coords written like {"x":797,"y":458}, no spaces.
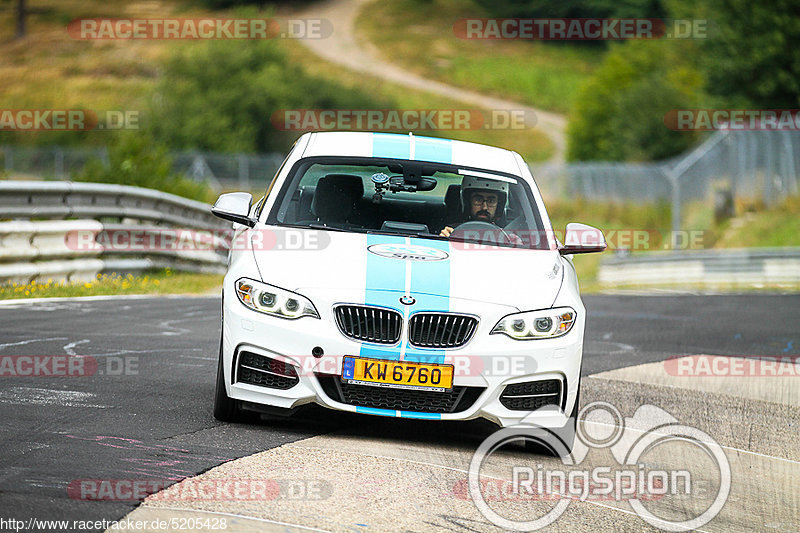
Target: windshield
{"x":428,"y":200}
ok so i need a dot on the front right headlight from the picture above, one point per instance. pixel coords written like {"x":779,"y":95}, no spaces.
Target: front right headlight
{"x":542,"y":324}
{"x":272,"y":300}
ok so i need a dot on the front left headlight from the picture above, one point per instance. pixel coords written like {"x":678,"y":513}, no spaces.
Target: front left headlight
{"x":273,"y":300}
{"x":542,"y":324}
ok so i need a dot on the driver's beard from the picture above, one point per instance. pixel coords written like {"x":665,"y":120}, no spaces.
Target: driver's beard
{"x":479,"y":215}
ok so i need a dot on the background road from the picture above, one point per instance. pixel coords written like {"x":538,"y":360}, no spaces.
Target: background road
{"x":154,"y":422}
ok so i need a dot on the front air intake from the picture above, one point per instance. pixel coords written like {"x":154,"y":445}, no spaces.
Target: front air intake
{"x":531,"y":395}
{"x":367,"y":323}
{"x":440,"y":330}
{"x":259,"y":370}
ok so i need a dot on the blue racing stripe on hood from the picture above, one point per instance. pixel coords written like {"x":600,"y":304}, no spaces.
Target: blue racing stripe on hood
{"x":429,"y":284}
{"x":384,"y":286}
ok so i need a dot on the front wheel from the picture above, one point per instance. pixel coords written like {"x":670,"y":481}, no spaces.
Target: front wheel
{"x":226,"y":409}
{"x":565,"y":435}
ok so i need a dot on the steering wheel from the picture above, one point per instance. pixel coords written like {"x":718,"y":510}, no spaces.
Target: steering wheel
{"x":478,"y":230}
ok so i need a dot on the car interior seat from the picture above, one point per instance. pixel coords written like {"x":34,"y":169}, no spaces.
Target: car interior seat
{"x":336,"y":197}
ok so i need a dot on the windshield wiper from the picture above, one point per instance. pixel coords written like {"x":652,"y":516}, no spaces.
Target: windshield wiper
{"x":314,"y":225}
{"x":420,"y":234}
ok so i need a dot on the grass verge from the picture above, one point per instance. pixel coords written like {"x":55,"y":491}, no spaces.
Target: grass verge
{"x":532,"y":144}
{"x":778,"y":226}
{"x":418,"y":35}
{"x":155,"y":282}
{"x":50,"y":70}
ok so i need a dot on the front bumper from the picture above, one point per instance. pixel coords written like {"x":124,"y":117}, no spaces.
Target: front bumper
{"x":485,"y":366}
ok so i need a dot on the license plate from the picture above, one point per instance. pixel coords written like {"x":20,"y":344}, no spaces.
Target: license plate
{"x":397,"y":374}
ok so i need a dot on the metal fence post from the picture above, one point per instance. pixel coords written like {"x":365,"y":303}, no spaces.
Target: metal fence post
{"x":244,"y":173}
{"x":676,"y":207}
{"x":8,"y":151}
{"x":58,"y":163}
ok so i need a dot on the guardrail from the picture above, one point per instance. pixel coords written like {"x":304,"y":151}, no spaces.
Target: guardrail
{"x":723,"y":267}
{"x":91,"y":228}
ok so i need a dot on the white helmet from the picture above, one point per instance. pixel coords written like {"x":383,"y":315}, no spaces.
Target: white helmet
{"x":470,"y":184}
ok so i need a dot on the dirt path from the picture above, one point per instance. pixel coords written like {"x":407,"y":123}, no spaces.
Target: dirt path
{"x":343,"y":49}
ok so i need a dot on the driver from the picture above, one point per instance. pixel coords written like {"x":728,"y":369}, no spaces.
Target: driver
{"x":482,"y":199}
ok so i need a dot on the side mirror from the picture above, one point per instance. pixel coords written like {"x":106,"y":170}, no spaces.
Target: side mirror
{"x":235,"y":206}
{"x":582,"y":239}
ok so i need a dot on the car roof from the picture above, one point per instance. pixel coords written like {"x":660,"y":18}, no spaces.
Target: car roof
{"x":413,"y":147}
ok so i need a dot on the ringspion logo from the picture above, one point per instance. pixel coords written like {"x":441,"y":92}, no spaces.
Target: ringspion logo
{"x":655,"y":464}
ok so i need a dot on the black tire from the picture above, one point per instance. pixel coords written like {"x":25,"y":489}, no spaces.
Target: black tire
{"x":225,"y":408}
{"x":566,"y":435}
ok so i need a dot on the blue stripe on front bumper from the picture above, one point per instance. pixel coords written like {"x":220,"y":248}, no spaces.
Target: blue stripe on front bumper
{"x":393,"y":413}
{"x":374,"y":411}
{"x":427,"y":416}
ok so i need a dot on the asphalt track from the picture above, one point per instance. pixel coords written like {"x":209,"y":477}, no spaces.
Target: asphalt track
{"x":154,"y":420}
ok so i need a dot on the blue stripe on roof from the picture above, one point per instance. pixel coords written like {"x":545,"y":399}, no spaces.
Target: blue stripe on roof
{"x":430,"y":149}
{"x":395,"y":146}
{"x":391,"y":146}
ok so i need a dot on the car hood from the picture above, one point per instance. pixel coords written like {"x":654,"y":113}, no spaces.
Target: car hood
{"x":378,"y":269}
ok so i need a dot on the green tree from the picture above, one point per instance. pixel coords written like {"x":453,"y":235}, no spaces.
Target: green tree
{"x":221,"y":95}
{"x":136,"y":159}
{"x":225,"y":4}
{"x":752,"y":53}
{"x":574,"y":8}
{"x":619,"y":113}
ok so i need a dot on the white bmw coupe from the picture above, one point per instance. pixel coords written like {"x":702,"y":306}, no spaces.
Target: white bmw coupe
{"x":401,"y":276}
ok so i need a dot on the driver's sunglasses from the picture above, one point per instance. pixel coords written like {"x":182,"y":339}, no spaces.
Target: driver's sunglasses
{"x":478,"y":199}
